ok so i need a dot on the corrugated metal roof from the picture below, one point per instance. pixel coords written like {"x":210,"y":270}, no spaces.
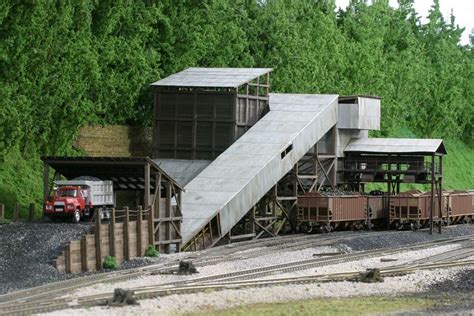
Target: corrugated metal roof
{"x":212,"y":77}
{"x":182,"y":170}
{"x":348,"y":97}
{"x":396,"y":145}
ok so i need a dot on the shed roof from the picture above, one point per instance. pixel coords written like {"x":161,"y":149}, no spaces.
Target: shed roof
{"x":396,"y":146}
{"x":212,"y":77}
{"x":182,"y":170}
{"x":120,"y":170}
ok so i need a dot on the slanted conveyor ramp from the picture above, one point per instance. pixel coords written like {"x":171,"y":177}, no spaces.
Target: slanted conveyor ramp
{"x":223,"y":193}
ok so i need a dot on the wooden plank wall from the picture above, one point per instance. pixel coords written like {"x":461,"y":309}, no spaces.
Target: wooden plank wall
{"x":123,"y":241}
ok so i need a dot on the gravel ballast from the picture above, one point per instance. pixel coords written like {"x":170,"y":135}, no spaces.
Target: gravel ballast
{"x":27,"y":249}
{"x":418,"y":282}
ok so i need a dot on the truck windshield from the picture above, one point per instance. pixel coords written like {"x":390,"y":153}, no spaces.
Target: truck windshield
{"x":67,"y":193}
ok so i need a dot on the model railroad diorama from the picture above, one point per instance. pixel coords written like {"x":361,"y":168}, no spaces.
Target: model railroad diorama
{"x":231,"y":162}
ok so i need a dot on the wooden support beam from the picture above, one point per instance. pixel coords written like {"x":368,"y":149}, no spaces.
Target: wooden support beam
{"x":432,"y":197}
{"x":440,"y":179}
{"x":126,"y":234}
{"x":84,"y":254}
{"x":98,"y":240}
{"x":67,"y":258}
{"x":139,"y":231}
{"x":151,"y":228}
{"x":112,"y":233}
{"x":146,"y":196}
{"x":168,"y":213}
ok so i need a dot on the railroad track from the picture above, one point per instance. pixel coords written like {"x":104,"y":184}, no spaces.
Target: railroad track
{"x":160,"y":290}
{"x":35,"y":295}
{"x":314,"y":262}
{"x":118,"y":276}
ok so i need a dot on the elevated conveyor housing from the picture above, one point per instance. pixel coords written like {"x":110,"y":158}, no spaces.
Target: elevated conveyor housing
{"x":238,"y":178}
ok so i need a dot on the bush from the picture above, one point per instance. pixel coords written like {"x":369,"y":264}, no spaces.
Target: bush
{"x":152,"y":252}
{"x":4,"y":221}
{"x":110,"y":263}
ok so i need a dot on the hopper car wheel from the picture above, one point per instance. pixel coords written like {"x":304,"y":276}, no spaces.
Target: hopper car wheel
{"x":76,"y":217}
{"x":415,"y":226}
{"x":303,"y":228}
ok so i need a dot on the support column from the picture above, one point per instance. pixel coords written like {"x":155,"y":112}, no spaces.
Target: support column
{"x":167,"y":216}
{"x":432,"y":201}
{"x":440,"y":179}
{"x":146,"y":196}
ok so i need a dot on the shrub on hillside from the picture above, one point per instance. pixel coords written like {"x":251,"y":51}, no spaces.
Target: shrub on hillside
{"x":152,"y":252}
{"x":110,"y":263}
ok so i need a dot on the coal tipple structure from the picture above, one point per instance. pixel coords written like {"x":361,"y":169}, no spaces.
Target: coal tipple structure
{"x":239,"y":156}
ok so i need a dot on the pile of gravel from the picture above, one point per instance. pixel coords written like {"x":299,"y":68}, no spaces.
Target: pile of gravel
{"x":27,"y":250}
{"x":396,"y":239}
{"x":461,"y":283}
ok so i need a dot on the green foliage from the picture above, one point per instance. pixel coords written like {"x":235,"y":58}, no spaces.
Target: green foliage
{"x":64,"y":65}
{"x":152,"y":252}
{"x":21,"y":182}
{"x":4,"y":221}
{"x":109,"y":263}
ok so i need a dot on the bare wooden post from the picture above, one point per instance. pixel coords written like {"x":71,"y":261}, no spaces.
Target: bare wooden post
{"x":180,"y":214}
{"x":156,"y":211}
{"x":112,"y":233}
{"x":440,"y":198}
{"x":16,"y":213}
{"x":98,"y":241}
{"x":139,"y":231}
{"x":31,"y":212}
{"x":151,"y":227}
{"x":168,"y":215}
{"x":126,"y":236}
{"x":84,"y":254}
{"x":67,"y":258}
{"x":146,"y":196}
{"x":432,"y":201}
{"x":2,"y":211}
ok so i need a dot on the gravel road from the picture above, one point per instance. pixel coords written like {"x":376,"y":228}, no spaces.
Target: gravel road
{"x":26,"y":251}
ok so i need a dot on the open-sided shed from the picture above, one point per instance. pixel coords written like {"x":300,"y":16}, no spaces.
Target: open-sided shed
{"x":154,"y":189}
{"x":395,"y":161}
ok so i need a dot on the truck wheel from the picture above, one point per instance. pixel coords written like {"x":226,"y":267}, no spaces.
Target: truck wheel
{"x":76,"y":217}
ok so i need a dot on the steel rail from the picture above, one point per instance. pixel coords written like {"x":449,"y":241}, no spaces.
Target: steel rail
{"x":65,"y":286}
{"x":117,"y":276}
{"x":158,"y":291}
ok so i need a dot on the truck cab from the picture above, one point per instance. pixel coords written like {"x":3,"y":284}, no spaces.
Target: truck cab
{"x":79,"y":199}
{"x":67,"y":201}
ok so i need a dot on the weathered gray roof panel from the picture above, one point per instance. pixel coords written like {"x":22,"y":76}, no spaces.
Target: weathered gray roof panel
{"x":396,"y":145}
{"x":212,"y":77}
{"x":182,"y":170}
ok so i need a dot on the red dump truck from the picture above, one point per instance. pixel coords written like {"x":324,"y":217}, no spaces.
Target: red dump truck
{"x":76,"y":199}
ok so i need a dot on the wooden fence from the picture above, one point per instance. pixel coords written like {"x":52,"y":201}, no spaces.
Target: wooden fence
{"x":125,"y":236}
